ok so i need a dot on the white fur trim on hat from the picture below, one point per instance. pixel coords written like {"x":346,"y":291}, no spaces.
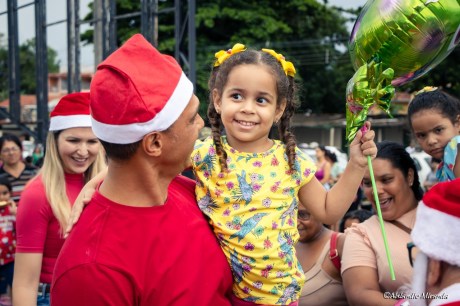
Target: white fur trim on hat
{"x":437,"y":234}
{"x":129,"y":133}
{"x":58,"y":123}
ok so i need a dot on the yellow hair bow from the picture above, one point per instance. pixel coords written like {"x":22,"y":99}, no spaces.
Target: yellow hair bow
{"x":426,"y":89}
{"x":223,"y":55}
{"x":288,"y":67}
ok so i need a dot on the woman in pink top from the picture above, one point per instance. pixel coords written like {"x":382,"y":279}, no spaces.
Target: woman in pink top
{"x":323,"y":172}
{"x":365,"y":271}
{"x":73,"y":156}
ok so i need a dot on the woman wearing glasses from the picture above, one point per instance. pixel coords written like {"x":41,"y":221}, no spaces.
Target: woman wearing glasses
{"x":14,"y":169}
{"x":365,"y":271}
{"x":319,"y":250}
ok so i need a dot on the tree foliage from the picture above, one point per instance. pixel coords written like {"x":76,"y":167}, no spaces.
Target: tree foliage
{"x":310,"y":33}
{"x":26,"y":67}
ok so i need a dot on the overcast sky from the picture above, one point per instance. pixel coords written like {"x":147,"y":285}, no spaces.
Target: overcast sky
{"x":57,"y":34}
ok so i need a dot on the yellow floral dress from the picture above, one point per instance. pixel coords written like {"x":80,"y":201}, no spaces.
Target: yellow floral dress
{"x":253,"y":211}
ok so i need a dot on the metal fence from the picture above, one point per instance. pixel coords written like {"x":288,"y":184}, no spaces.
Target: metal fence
{"x":105,"y":42}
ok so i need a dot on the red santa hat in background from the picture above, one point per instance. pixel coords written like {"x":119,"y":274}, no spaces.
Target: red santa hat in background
{"x":437,"y":227}
{"x":135,"y":91}
{"x":70,"y":112}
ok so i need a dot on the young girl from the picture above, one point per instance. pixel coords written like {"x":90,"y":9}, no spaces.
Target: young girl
{"x":250,"y":185}
{"x":8,"y":239}
{"x":434,"y":119}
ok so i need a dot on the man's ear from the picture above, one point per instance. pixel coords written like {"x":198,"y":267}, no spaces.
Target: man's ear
{"x":217,"y":100}
{"x":434,"y":274}
{"x":153,"y":143}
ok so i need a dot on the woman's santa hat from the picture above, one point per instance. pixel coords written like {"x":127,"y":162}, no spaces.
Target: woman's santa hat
{"x":437,"y":227}
{"x":70,"y":112}
{"x":135,"y":91}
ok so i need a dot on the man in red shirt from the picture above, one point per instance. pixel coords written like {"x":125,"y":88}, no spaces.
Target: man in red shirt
{"x":142,"y":239}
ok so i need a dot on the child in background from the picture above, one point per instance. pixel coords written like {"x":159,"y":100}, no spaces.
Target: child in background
{"x":250,"y":185}
{"x":431,"y":178}
{"x":8,"y":211}
{"x":434,"y":119}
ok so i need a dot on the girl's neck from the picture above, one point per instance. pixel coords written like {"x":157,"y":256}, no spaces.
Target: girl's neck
{"x":251,"y":147}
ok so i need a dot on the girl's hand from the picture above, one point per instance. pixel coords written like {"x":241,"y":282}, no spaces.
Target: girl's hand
{"x":13,"y":207}
{"x":363,"y":145}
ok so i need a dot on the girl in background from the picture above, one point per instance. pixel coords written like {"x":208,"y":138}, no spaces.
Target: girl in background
{"x":434,"y":119}
{"x":8,"y":211}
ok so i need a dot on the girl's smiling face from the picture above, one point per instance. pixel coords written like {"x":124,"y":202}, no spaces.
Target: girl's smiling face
{"x":248,"y":107}
{"x":433,"y":131}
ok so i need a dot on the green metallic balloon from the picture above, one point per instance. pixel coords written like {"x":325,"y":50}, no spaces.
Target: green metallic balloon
{"x":392,"y":43}
{"x":369,"y":86}
{"x":409,"y":36}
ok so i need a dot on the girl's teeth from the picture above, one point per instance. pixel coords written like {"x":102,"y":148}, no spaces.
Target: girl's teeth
{"x":245,"y":123}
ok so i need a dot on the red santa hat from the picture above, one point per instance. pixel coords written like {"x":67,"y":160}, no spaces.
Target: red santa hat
{"x":135,"y":91}
{"x":71,"y":111}
{"x":437,"y":227}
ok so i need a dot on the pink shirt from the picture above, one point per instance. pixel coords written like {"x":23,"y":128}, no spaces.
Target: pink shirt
{"x":38,"y":230}
{"x":364,"y":246}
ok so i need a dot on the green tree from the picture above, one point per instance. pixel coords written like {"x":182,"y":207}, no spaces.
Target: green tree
{"x":26,"y":66}
{"x":126,"y":27}
{"x":310,"y":33}
{"x":445,"y":75}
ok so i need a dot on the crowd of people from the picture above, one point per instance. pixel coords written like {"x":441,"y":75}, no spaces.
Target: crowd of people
{"x":108,"y":219}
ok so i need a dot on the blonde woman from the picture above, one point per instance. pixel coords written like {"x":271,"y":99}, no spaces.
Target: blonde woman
{"x":73,"y":156}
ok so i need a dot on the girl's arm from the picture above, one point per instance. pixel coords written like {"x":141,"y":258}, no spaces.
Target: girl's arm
{"x":362,"y":287}
{"x":27,"y":267}
{"x":83,"y":198}
{"x":329,"y":207}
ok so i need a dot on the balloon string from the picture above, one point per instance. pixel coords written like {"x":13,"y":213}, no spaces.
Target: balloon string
{"x":379,"y":213}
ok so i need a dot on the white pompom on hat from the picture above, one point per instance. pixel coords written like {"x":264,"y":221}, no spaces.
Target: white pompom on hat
{"x":135,"y":91}
{"x":70,"y":112}
{"x":437,"y":227}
